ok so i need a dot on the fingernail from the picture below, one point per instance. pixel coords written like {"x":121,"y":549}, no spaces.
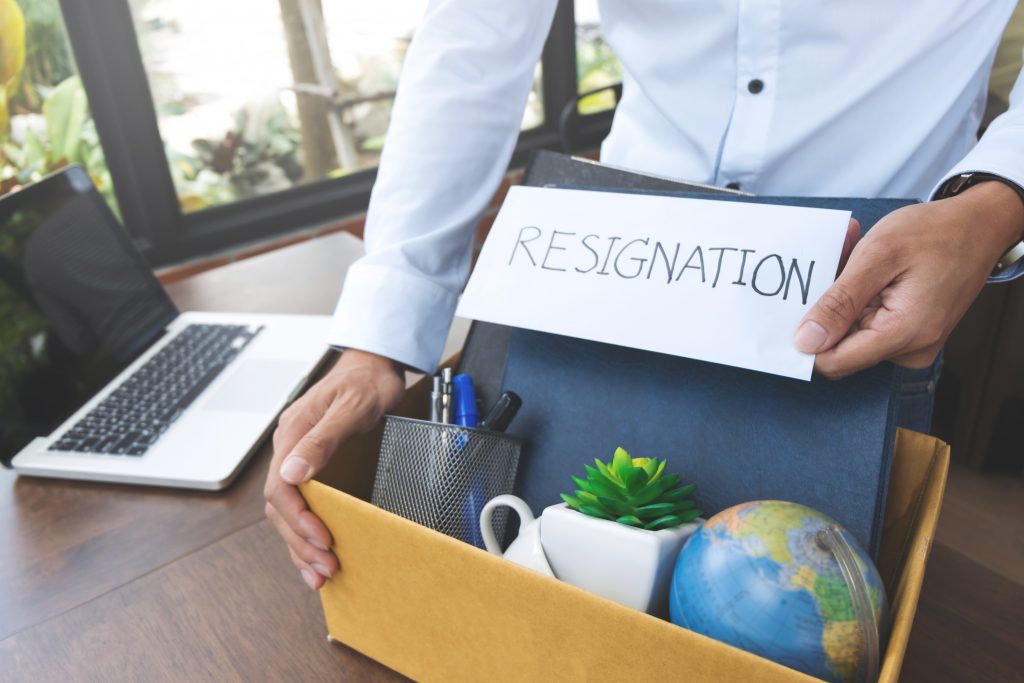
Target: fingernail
{"x":321,"y":570}
{"x":307,"y":576}
{"x":316,"y":544}
{"x":810,"y":337}
{"x":295,"y":470}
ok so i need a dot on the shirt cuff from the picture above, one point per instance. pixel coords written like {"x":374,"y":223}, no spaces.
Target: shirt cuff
{"x":395,"y":314}
{"x":997,"y":153}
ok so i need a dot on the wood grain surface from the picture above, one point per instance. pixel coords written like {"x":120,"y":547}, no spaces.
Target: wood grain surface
{"x":65,"y":543}
{"x":122,"y":583}
{"x":234,"y":610}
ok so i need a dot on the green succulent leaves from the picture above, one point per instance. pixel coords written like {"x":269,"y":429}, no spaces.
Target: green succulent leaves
{"x":635,"y":492}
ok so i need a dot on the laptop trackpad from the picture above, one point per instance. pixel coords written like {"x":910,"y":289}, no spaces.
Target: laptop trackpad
{"x":256,"y":386}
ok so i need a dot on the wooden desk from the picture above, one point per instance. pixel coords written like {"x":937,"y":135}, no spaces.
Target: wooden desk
{"x":120,"y":583}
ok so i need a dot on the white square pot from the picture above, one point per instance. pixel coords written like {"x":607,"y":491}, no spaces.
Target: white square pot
{"x":628,"y":565}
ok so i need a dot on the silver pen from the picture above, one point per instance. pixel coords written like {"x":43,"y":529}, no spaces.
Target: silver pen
{"x":446,"y":396}
{"x":435,"y":401}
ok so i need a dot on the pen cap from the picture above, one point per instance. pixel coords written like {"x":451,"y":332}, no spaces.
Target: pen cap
{"x":464,"y":398}
{"x":502,"y":412}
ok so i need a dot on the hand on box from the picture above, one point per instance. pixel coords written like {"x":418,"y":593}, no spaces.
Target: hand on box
{"x":910,"y":280}
{"x":349,"y":400}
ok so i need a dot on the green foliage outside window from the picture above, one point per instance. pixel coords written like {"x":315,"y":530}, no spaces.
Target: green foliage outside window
{"x":12,"y":56}
{"x":596,"y":67}
{"x":45,"y":122}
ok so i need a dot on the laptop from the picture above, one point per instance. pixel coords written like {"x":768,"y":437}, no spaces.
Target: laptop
{"x":101,"y":377}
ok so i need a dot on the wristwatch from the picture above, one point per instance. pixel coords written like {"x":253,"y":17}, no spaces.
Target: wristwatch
{"x":1010,"y":258}
{"x":958,"y":184}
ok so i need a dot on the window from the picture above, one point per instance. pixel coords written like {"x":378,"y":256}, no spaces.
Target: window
{"x":306,"y":95}
{"x":596,"y":65}
{"x":45,"y":122}
{"x":226,"y":122}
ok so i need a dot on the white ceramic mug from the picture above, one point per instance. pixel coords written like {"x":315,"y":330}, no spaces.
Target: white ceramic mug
{"x":630,"y":566}
{"x":526,"y":550}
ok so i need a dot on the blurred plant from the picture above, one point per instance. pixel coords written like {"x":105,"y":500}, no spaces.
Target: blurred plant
{"x":12,"y":57}
{"x":596,"y":67}
{"x":258,"y":156}
{"x":47,"y":57}
{"x":68,"y":137}
{"x":44,"y":116}
{"x":634,"y":492}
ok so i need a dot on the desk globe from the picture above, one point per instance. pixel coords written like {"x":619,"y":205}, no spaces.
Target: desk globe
{"x":755,"y":577}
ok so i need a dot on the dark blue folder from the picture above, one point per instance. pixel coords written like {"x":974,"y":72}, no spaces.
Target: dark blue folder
{"x":739,"y":435}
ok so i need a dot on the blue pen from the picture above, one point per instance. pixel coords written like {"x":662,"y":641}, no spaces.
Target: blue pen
{"x":464,"y":400}
{"x":468,"y":415}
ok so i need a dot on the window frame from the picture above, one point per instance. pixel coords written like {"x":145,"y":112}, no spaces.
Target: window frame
{"x":110,"y":64}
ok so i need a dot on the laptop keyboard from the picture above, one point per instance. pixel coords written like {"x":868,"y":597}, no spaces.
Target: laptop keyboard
{"x":131,"y":419}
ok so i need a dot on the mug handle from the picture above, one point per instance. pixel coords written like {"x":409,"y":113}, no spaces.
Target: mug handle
{"x":487,"y":531}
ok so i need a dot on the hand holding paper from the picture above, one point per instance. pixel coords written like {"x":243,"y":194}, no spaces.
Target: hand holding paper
{"x":910,"y":280}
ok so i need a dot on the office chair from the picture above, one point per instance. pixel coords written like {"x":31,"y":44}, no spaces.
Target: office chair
{"x":570,"y":119}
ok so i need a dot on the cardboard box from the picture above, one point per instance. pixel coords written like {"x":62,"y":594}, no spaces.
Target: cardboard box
{"x":436,"y":609}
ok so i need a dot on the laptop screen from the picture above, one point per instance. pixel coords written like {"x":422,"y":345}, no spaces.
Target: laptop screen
{"x":78,"y":303}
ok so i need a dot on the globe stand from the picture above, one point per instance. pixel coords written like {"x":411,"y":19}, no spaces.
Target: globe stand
{"x":831,"y":539}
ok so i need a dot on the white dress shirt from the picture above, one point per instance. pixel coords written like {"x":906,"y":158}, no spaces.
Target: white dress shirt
{"x":867,"y":98}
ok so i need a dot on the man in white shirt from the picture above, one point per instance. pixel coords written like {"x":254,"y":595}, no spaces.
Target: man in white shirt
{"x":873,"y":99}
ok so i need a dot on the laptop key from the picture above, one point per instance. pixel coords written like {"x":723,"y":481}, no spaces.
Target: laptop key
{"x":105,"y":444}
{"x":127,"y":440}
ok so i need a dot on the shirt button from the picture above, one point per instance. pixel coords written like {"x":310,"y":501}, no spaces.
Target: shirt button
{"x":733,"y":186}
{"x":755,"y":86}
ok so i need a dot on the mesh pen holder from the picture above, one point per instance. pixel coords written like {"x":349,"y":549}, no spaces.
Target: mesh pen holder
{"x":441,"y":475}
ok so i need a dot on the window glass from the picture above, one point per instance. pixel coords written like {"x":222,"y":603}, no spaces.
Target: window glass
{"x":45,"y":122}
{"x":256,"y":96}
{"x":596,"y":64}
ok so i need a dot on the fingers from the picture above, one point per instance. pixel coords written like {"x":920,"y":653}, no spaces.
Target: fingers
{"x":918,"y":359}
{"x":312,"y":451}
{"x":310,"y":577}
{"x":861,"y":350}
{"x":308,"y":539}
{"x":290,"y":506}
{"x":832,"y":316}
{"x":350,"y":399}
{"x":304,"y":555}
{"x":881,"y":333}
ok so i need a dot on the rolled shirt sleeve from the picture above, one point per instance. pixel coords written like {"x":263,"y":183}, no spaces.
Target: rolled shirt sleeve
{"x":454,"y":125}
{"x":1000,"y":152}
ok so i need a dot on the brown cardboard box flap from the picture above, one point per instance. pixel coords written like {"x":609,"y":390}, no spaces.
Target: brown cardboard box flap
{"x":434,"y":608}
{"x":918,"y":481}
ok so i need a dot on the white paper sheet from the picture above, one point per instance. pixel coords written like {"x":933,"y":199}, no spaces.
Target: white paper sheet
{"x":725,"y":282}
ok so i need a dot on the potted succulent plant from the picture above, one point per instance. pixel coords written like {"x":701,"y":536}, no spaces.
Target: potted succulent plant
{"x":619,"y":534}
{"x":635,"y":492}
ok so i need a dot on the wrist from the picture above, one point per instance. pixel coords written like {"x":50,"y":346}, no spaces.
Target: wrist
{"x":357,"y":357}
{"x":995,"y":212}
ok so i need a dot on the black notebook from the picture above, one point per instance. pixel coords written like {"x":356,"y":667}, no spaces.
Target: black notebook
{"x":739,"y":435}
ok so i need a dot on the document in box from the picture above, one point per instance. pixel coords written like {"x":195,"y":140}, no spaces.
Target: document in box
{"x":724,"y":282}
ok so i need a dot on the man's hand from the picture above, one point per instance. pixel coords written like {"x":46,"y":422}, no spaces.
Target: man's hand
{"x":349,"y":400}
{"x":910,"y":280}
